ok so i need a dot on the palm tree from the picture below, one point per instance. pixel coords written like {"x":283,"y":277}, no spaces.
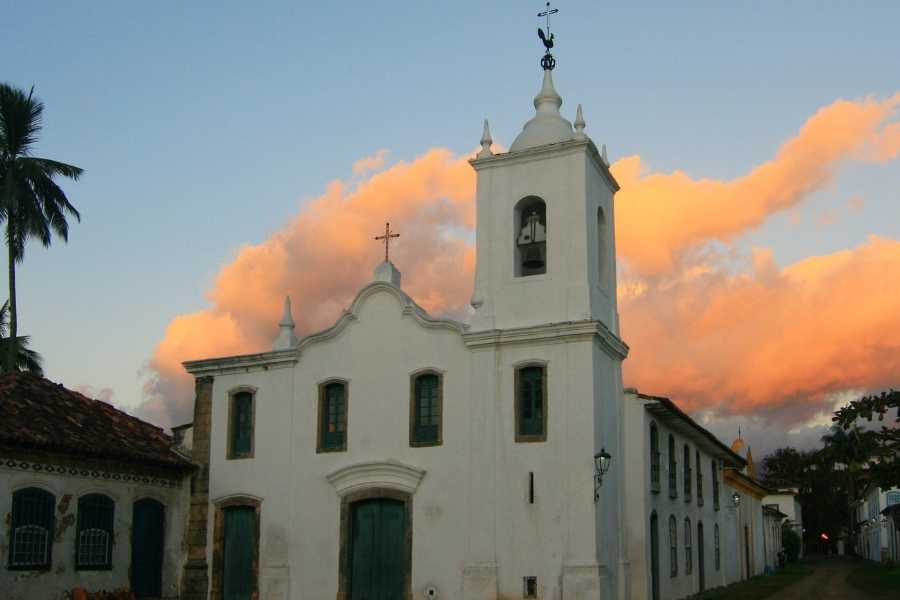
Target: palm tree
{"x":31,"y":203}
{"x":26,"y":360}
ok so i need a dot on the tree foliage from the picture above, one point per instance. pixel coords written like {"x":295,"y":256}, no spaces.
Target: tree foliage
{"x":883,"y":450}
{"x":31,"y":203}
{"x":790,"y":541}
{"x":26,"y":359}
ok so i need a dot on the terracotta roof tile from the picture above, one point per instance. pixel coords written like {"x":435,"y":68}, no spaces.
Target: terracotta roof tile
{"x":37,"y":413}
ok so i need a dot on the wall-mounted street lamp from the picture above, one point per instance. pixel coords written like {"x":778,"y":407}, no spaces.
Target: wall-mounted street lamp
{"x":601,"y":466}
{"x":736,"y":498}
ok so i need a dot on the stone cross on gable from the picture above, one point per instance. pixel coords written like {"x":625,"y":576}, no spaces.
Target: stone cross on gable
{"x":388,"y":234}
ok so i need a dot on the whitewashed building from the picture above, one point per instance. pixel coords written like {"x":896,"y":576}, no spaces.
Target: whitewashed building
{"x":787,"y":501}
{"x":680,"y":520}
{"x":399,"y":455}
{"x":91,"y":497}
{"x":876,"y":536}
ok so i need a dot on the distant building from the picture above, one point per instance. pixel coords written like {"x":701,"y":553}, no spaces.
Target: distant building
{"x":92,"y":497}
{"x":875,"y":511}
{"x":787,"y":501}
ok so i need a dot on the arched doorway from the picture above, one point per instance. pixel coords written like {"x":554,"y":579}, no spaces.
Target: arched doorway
{"x":376,"y":545}
{"x":654,"y":556}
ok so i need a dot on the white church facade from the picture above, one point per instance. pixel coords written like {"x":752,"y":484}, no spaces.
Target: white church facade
{"x":397,"y":455}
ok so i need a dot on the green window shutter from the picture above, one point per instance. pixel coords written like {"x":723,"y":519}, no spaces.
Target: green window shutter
{"x":242,"y":424}
{"x":334,"y":416}
{"x":531,"y":401}
{"x":427,"y":416}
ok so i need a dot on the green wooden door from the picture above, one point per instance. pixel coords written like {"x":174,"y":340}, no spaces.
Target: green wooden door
{"x":238,"y":553}
{"x":147,"y":544}
{"x":378,"y":550}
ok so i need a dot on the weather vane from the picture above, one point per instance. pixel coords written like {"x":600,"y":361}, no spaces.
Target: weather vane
{"x":547,"y":62}
{"x":388,"y":234}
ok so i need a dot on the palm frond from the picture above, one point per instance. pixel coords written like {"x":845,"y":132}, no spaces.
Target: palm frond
{"x":20,"y":120}
{"x":26,"y":359}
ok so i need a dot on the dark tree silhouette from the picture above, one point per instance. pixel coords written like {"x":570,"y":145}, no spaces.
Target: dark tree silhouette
{"x":26,"y":359}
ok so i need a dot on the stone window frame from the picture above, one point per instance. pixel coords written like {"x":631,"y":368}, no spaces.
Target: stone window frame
{"x":232,"y":397}
{"x":347,"y":502}
{"x":321,"y":415}
{"x":439,"y":441}
{"x":715,"y":482}
{"x":699,"y":479}
{"x":218,"y":539}
{"x":545,"y":367}
{"x":688,"y":473}
{"x":80,"y":527}
{"x":525,"y":203}
{"x":50,"y":530}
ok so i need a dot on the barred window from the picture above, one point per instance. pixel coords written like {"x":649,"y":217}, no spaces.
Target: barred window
{"x":240,"y":440}
{"x":716,"y":541}
{"x":673,"y":546}
{"x":687,"y":473}
{"x":654,"y":458}
{"x":531,"y":404}
{"x":688,"y":551}
{"x":426,"y":409}
{"x":673,"y":469}
{"x":32,"y":527}
{"x":95,"y":532}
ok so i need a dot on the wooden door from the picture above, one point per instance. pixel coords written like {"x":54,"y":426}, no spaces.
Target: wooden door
{"x":654,"y":556}
{"x":378,"y":550}
{"x":238,"y":553}
{"x":700,"y":561}
{"x":147,"y":547}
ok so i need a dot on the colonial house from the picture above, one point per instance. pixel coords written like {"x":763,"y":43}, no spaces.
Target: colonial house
{"x":875,"y":532}
{"x":680,"y":522}
{"x":787,"y":502}
{"x":91,"y":497}
{"x":399,"y":455}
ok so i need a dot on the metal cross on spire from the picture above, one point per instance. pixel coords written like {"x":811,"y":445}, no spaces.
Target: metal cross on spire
{"x":388,"y":234}
{"x":547,"y":61}
{"x":547,"y":13}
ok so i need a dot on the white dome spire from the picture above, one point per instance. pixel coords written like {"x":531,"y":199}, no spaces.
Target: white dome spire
{"x":548,"y":126}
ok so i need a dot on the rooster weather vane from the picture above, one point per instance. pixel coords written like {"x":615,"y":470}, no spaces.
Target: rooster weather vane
{"x":547,"y":62}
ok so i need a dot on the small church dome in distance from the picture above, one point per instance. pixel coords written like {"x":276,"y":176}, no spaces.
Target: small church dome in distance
{"x":738,"y":444}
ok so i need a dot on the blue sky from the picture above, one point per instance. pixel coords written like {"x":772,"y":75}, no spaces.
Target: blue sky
{"x":203,"y":126}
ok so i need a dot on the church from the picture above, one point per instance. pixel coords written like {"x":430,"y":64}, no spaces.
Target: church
{"x":399,"y":455}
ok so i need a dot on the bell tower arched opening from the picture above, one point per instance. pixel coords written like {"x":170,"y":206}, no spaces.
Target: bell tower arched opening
{"x":530,"y":221}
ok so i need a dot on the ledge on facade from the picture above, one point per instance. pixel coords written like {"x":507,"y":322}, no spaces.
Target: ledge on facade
{"x":376,"y":474}
{"x":262,"y":360}
{"x":548,"y":332}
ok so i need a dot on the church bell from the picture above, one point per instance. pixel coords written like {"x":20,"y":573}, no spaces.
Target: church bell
{"x":532,"y":245}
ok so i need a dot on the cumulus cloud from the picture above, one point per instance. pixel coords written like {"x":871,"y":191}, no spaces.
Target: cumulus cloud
{"x":370,"y":163}
{"x":104,"y":394}
{"x":764,"y":339}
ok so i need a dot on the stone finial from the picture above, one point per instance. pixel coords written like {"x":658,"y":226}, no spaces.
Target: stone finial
{"x":486,"y":142}
{"x":286,"y":339}
{"x":547,"y":126}
{"x":603,"y":154}
{"x":579,"y":124}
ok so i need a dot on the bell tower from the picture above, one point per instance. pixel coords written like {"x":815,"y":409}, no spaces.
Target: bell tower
{"x":545,"y":223}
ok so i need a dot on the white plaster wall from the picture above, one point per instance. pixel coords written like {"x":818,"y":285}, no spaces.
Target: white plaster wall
{"x":640,"y":502}
{"x":470,"y":512}
{"x":62,"y":576}
{"x":789,"y":504}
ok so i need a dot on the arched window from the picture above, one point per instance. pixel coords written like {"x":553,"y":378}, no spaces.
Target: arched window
{"x":673,"y":546}
{"x":688,"y":551}
{"x":94,"y":536}
{"x":654,"y":458}
{"x":426,"y":410}
{"x":715,"y":482}
{"x":716,"y":542}
{"x":531,"y":403}
{"x":31,"y":534}
{"x":531,"y":237}
{"x":602,"y":249}
{"x":332,"y":417}
{"x":687,"y":473}
{"x":699,"y":481}
{"x":240,"y":425}
{"x":673,"y":474}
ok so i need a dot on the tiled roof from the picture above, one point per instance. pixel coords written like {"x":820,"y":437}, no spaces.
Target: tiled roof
{"x":36,"y":413}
